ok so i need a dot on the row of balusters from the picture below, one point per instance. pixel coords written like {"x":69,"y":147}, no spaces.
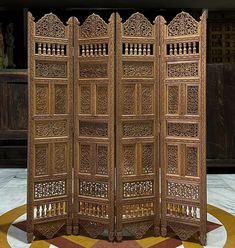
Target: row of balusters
{"x":50,"y":49}
{"x":137,"y":49}
{"x":93,"y":209}
{"x":183,"y":48}
{"x":50,"y":210}
{"x":94,"y":50}
{"x":137,"y":210}
{"x":183,"y":211}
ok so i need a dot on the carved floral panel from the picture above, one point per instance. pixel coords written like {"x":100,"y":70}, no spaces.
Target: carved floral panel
{"x":102,"y":160}
{"x":42,"y":99}
{"x":137,"y":69}
{"x":60,"y":99}
{"x":85,"y":99}
{"x":191,"y":161}
{"x":138,"y":129}
{"x":41,"y":159}
{"x":138,"y":188}
{"x":173,"y":99}
{"x":93,"y":129}
{"x":179,"y":70}
{"x":102,"y":100}
{"x":53,"y":69}
{"x":192,"y":99}
{"x":147,"y":99}
{"x":129,"y":159}
{"x":93,"y":70}
{"x":93,"y":189}
{"x":172,"y":159}
{"x":182,"y":129}
{"x":147,"y":158}
{"x":60,"y":163}
{"x":85,"y":158}
{"x":129,"y":101}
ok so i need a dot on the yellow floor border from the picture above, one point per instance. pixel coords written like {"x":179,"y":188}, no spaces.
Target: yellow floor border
{"x":225,"y":218}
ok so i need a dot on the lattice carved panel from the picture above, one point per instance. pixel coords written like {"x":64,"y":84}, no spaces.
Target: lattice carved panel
{"x":61,"y":157}
{"x":41,"y":159}
{"x":138,"y":69}
{"x":46,"y":69}
{"x":42,"y":99}
{"x":61,"y":99}
{"x":180,"y":70}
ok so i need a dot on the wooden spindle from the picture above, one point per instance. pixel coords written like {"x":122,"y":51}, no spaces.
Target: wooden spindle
{"x":175,"y":49}
{"x":126,"y":49}
{"x":180,"y":48}
{"x":44,"y":49}
{"x":194,"y":47}
{"x":144,"y":49}
{"x":62,"y":50}
{"x":185,"y":48}
{"x":148,"y":49}
{"x":83,"y":51}
{"x":91,"y":50}
{"x":100,"y":49}
{"x":53,"y":49}
{"x":38,"y":212}
{"x":39,"y":48}
{"x":95,"y":50}
{"x":171,"y":50}
{"x":131,"y":49}
{"x":48,"y":49}
{"x":58,"y":49}
{"x":104,"y":50}
{"x":87,"y":51}
{"x":189,"y":47}
{"x":140,"y":49}
{"x":135,"y":49}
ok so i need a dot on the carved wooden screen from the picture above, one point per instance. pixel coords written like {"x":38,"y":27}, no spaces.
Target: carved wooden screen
{"x":183,"y":52}
{"x":94,"y":126}
{"x":137,"y":119}
{"x":50,"y":122}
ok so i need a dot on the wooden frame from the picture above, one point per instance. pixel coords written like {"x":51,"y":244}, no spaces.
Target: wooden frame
{"x":119,"y":108}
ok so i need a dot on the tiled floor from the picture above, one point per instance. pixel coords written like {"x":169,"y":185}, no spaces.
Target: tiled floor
{"x":13,"y":192}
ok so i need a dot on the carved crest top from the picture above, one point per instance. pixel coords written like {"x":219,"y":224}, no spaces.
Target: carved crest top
{"x":183,"y":24}
{"x":138,"y":25}
{"x":50,"y":26}
{"x":94,"y":26}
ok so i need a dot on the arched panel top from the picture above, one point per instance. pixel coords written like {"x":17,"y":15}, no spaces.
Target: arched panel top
{"x":50,"y":26}
{"x":94,"y":26}
{"x":183,"y":24}
{"x":138,"y":25}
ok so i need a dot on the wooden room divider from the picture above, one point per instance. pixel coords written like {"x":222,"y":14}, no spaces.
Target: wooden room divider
{"x":117,"y":126}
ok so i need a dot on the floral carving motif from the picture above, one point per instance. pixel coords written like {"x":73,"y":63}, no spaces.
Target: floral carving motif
{"x":42,"y":99}
{"x":138,"y":129}
{"x":60,"y":99}
{"x":51,"y":128}
{"x":182,"y":70}
{"x":137,"y":25}
{"x":192,"y":100}
{"x":41,"y":160}
{"x":183,"y":24}
{"x":173,"y":99}
{"x":51,"y":69}
{"x":60,"y":158}
{"x":85,"y":99}
{"x":129,"y":159}
{"x":183,"y":190}
{"x":138,"y":229}
{"x":172,"y":166}
{"x":191,"y":161}
{"x":94,"y":26}
{"x":183,"y":129}
{"x":183,"y":231}
{"x":93,"y":129}
{"x":49,"y":189}
{"x":102,"y":100}
{"x":50,"y":26}
{"x":147,"y":158}
{"x":128,"y":104}
{"x":147,"y":99}
{"x":93,"y":70}
{"x":137,"y":69}
{"x":102,"y":160}
{"x":85,"y":155}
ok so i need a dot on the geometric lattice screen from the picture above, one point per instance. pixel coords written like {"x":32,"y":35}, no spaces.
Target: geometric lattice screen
{"x":117,"y":126}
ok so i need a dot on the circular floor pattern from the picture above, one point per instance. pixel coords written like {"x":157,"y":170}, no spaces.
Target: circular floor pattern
{"x":221,"y":233}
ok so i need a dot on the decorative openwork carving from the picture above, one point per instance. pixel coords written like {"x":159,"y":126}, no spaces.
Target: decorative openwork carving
{"x":138,"y":229}
{"x":138,"y":25}
{"x":93,"y":27}
{"x":102,"y":100}
{"x":94,"y":189}
{"x":93,"y":209}
{"x":183,"y":190}
{"x":192,"y":161}
{"x":172,"y":155}
{"x":50,"y":128}
{"x":102,"y":160}
{"x":179,"y":70}
{"x":93,"y":70}
{"x":182,"y":129}
{"x":50,"y":26}
{"x":49,"y":189}
{"x":41,"y":154}
{"x":138,"y":129}
{"x":129,"y":154}
{"x":131,"y":211}
{"x":93,"y":129}
{"x":173,"y":99}
{"x":46,"y":69}
{"x":147,"y":99}
{"x":192,"y":100}
{"x":60,"y":157}
{"x":183,"y":24}
{"x":94,"y":229}
{"x":85,"y":158}
{"x":137,"y":69}
{"x":42,"y":98}
{"x":60,"y":99}
{"x":147,"y":158}
{"x":128,"y":105}
{"x":85,"y":99}
{"x":137,"y":188}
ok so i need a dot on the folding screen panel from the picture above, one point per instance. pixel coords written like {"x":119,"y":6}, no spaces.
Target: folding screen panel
{"x":50,"y":123}
{"x":94,"y":126}
{"x":137,"y":123}
{"x":183,"y":197}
